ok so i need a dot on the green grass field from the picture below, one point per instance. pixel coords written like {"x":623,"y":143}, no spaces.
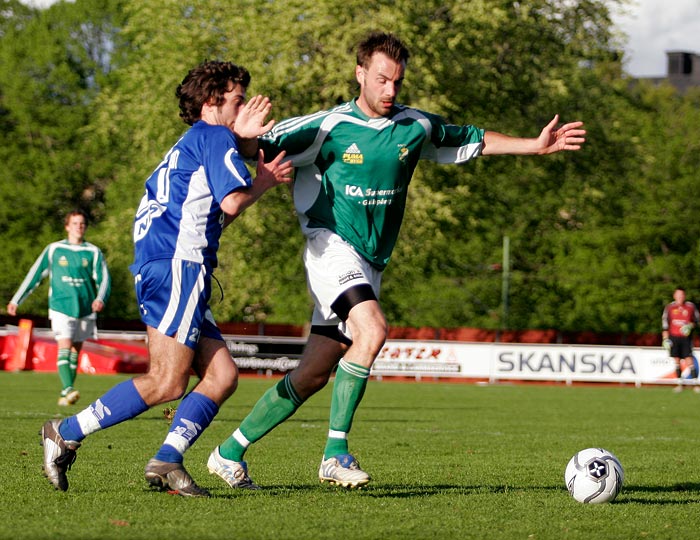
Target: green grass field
{"x":447,"y":461}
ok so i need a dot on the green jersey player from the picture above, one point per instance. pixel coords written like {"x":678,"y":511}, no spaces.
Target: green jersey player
{"x":353,"y":167}
{"x":78,"y":289}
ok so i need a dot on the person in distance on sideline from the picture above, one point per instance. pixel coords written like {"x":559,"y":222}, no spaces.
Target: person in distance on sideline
{"x":201,"y":185}
{"x":79,"y":288}
{"x":677,"y":323}
{"x":353,"y":166}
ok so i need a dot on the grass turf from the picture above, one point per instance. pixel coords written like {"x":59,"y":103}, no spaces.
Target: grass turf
{"x":447,"y":461}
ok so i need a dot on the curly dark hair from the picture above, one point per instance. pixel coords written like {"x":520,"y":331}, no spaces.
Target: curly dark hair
{"x":210,"y":80}
{"x":380,"y":42}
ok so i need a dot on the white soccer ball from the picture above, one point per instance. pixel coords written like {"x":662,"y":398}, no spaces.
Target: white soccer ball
{"x":594,"y":476}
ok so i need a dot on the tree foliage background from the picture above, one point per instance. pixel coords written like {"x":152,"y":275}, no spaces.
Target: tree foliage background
{"x":598,"y":238}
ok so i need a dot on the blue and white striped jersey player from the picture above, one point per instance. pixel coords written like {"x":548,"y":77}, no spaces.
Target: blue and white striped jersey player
{"x":201,"y":185}
{"x":353,"y":167}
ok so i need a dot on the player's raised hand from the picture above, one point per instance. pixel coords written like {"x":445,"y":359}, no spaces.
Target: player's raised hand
{"x":251,"y":121}
{"x":268,"y":175}
{"x":275,"y":172}
{"x":568,"y":137}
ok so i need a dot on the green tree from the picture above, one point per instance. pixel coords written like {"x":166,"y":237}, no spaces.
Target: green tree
{"x":508,"y":67}
{"x":54,"y":62}
{"x":598,"y":238}
{"x":621,"y":269}
{"x":503,"y":65}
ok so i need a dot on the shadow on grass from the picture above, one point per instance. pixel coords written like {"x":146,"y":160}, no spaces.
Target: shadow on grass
{"x":396,"y":491}
{"x":677,"y":494}
{"x":401,"y":491}
{"x":675,"y":488}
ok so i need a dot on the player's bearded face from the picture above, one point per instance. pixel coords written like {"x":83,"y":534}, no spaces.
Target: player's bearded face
{"x":380,"y":84}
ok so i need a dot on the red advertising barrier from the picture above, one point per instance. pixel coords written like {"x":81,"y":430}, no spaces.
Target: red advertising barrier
{"x":96,"y":357}
{"x":20,"y":359}
{"x":255,"y":345}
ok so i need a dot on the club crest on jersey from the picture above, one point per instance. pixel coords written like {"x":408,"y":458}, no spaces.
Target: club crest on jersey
{"x":353,"y":155}
{"x":403,"y":153}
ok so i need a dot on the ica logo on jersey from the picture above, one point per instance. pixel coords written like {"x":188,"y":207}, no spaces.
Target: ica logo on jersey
{"x":354,"y":191}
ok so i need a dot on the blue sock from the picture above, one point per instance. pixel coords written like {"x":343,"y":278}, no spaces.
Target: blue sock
{"x":195,"y":413}
{"x":122,"y":402}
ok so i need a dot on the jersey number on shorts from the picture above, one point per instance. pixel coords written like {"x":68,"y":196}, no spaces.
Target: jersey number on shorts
{"x":194,"y":335}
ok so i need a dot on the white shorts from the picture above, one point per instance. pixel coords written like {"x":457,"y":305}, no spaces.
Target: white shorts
{"x":77,"y":330}
{"x":332,"y":267}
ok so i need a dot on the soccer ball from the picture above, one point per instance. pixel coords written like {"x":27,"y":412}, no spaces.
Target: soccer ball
{"x":594,"y":476}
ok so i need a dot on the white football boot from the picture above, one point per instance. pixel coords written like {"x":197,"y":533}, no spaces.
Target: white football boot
{"x":343,"y":470}
{"x":234,"y":473}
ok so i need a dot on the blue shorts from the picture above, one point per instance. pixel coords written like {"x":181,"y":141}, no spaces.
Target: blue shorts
{"x":173,"y":297}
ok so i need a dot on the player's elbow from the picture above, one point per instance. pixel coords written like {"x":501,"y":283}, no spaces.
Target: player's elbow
{"x":233,"y":205}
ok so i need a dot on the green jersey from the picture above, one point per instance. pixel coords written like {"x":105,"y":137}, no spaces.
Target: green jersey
{"x":78,"y":275}
{"x":353,"y":171}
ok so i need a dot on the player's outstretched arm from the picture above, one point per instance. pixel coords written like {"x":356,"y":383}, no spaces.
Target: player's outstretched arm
{"x":252,"y":122}
{"x":268,"y":175}
{"x":568,"y":137}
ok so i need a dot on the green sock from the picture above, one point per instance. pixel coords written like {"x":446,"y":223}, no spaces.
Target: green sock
{"x":348,"y":389}
{"x":73,"y":363}
{"x":274,"y":407}
{"x":64,"y":372}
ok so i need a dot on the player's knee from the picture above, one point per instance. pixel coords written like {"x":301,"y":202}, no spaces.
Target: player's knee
{"x":229,"y":387}
{"x":370,"y":338}
{"x":163,"y":389}
{"x":173,"y":391}
{"x":382,"y":333}
{"x":307,"y":385}
{"x":319,"y":381}
{"x":223,"y":375}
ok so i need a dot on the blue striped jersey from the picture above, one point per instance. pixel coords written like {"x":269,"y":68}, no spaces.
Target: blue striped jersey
{"x":180,"y":214}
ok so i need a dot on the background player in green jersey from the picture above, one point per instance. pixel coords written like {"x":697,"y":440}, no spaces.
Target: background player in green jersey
{"x":353,"y":165}
{"x":79,"y":287}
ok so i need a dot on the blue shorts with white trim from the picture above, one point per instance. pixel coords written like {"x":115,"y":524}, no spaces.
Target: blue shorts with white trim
{"x":173,"y":297}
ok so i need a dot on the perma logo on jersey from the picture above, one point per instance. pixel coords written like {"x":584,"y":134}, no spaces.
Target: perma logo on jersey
{"x":353,"y":156}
